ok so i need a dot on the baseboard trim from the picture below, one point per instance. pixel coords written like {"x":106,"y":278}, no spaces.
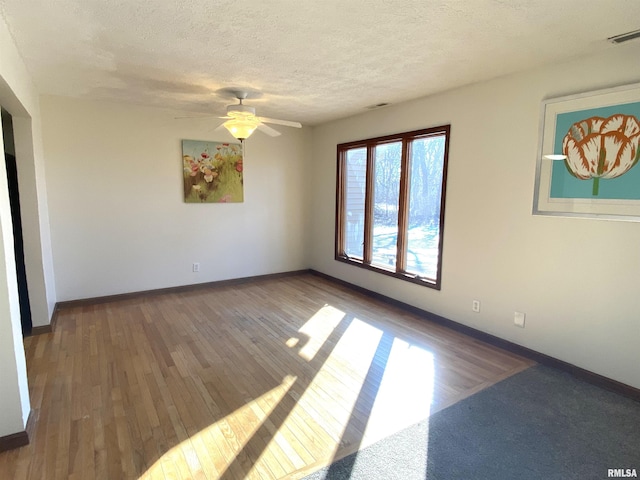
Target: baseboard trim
{"x":176,"y":289}
{"x":586,"y":375}
{"x":20,"y":439}
{"x":43,"y":329}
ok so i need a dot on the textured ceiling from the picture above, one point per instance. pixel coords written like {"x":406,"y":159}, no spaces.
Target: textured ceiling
{"x":314,"y":60}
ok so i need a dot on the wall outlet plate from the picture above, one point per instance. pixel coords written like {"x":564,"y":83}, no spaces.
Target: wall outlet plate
{"x":518,"y":319}
{"x":475,"y":306}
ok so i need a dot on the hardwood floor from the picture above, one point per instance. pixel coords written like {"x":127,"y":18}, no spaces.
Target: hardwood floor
{"x":269,"y":379}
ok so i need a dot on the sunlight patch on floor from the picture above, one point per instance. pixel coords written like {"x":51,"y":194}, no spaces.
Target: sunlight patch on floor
{"x":210,"y":452}
{"x":330,"y":397}
{"x":406,"y":391}
{"x":402,"y":396}
{"x":367,"y":384}
{"x":317,"y":329}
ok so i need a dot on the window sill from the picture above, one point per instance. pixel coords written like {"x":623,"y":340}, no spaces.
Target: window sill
{"x":408,"y":277}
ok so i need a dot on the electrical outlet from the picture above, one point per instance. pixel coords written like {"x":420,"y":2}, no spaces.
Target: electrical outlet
{"x":196,"y":267}
{"x":475,"y":306}
{"x":518,"y":319}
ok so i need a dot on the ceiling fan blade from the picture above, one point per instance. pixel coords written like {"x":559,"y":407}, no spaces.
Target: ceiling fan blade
{"x":219,"y":128}
{"x":275,"y":121}
{"x":194,"y":116}
{"x":268,"y":130}
{"x":200,"y":116}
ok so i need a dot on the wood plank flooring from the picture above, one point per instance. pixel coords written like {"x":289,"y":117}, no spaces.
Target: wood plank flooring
{"x":269,"y":379}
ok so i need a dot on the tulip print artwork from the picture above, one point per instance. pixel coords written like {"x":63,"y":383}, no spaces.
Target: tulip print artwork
{"x":589,"y":154}
{"x":212,"y":172}
{"x":602,"y":148}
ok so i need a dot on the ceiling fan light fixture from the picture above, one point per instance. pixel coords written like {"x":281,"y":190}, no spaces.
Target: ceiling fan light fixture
{"x":241,"y":128}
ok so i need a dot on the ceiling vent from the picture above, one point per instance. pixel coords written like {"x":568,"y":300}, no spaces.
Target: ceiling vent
{"x":625,"y":37}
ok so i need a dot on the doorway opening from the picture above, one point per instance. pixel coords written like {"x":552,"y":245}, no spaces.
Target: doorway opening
{"x":14,"y":200}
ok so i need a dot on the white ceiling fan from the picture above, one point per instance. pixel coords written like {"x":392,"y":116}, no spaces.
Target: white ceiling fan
{"x":242,"y":121}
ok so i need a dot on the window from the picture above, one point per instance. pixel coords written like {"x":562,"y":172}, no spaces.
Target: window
{"x":390,"y":204}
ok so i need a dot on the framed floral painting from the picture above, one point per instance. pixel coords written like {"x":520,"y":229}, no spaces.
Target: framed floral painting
{"x":212,"y":172}
{"x":587,"y":163}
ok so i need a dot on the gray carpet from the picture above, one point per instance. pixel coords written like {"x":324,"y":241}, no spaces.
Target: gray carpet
{"x":538,"y":424}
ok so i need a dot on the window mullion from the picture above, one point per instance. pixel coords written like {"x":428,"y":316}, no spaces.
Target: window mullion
{"x":403,"y":207}
{"x":368,"y":209}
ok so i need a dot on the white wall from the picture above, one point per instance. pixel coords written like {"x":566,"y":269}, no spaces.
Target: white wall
{"x":118,"y":220}
{"x":19,"y":97}
{"x":577,"y":280}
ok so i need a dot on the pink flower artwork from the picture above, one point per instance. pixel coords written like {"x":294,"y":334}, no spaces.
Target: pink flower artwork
{"x":212,"y":172}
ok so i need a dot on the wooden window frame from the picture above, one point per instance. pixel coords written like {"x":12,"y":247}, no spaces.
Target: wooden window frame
{"x":403,"y":204}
